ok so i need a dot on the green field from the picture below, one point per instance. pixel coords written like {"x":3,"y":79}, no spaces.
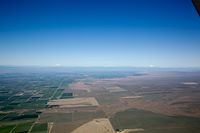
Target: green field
{"x":155,"y":123}
{"x":6,"y":128}
{"x":58,"y":93}
{"x":22,"y":116}
{"x":40,"y":128}
{"x":22,"y":128}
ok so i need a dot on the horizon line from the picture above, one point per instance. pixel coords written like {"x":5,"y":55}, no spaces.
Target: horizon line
{"x":65,"y":66}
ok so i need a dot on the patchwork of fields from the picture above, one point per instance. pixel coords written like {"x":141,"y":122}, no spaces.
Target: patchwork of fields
{"x":154,"y":123}
{"x":73,"y":102}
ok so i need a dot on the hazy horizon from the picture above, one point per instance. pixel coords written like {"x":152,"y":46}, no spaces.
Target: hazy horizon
{"x":66,"y":69}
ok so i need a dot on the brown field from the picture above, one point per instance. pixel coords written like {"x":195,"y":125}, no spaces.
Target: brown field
{"x":96,"y":126}
{"x":79,"y":86}
{"x":115,"y":89}
{"x":74,"y":102}
{"x":66,"y":127}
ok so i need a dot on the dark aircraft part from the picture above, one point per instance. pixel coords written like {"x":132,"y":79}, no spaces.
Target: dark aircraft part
{"x":197,"y":5}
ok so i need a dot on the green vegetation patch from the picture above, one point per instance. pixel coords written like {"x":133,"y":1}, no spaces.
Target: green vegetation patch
{"x":10,"y":117}
{"x":58,"y":93}
{"x":33,"y":105}
{"x":2,"y":116}
{"x":28,"y":115}
{"x":8,"y":107}
{"x":48,"y":93}
{"x":67,"y":95}
{"x":15,"y":116}
{"x":155,"y":123}
{"x":40,"y":128}
{"x":23,"y":127}
{"x":4,"y":97}
{"x":6,"y":128}
{"x":26,"y":105}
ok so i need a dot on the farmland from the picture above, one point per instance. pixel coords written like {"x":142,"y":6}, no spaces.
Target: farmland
{"x":23,"y":97}
{"x":121,"y":102}
{"x":153,"y":122}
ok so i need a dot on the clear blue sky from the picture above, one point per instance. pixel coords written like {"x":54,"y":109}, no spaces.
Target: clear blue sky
{"x":163,"y":33}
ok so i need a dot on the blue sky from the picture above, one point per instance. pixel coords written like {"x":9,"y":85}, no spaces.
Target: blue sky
{"x":162,"y":33}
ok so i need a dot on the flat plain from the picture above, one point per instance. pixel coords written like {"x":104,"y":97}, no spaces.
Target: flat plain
{"x":121,"y":102}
